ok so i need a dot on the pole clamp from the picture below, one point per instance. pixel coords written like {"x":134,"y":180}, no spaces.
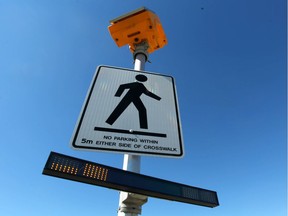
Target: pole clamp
{"x":141,"y":48}
{"x":132,"y":204}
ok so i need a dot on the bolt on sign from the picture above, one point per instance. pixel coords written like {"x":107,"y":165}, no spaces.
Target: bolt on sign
{"x":128,"y":111}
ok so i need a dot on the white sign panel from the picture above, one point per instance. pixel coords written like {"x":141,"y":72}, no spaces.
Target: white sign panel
{"x":128,"y":111}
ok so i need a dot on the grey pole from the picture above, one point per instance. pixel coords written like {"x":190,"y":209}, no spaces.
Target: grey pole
{"x":131,"y":204}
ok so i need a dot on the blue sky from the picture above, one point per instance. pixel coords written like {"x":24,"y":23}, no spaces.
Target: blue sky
{"x":228,"y":58}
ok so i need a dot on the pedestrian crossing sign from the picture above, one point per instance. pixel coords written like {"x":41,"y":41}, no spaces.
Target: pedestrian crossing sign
{"x":129,"y":111}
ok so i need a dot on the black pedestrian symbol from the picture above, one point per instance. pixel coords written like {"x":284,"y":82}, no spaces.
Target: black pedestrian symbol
{"x":136,"y":89}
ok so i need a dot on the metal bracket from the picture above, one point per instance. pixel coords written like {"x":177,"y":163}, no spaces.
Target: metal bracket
{"x":132,"y":203}
{"x":141,"y":48}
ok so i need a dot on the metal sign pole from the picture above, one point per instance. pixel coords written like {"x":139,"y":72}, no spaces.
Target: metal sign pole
{"x":130,"y":204}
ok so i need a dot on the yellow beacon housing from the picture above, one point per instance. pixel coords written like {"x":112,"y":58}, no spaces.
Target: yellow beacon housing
{"x":136,"y":27}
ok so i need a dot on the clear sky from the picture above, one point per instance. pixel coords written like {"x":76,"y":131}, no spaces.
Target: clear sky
{"x":228,"y":58}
